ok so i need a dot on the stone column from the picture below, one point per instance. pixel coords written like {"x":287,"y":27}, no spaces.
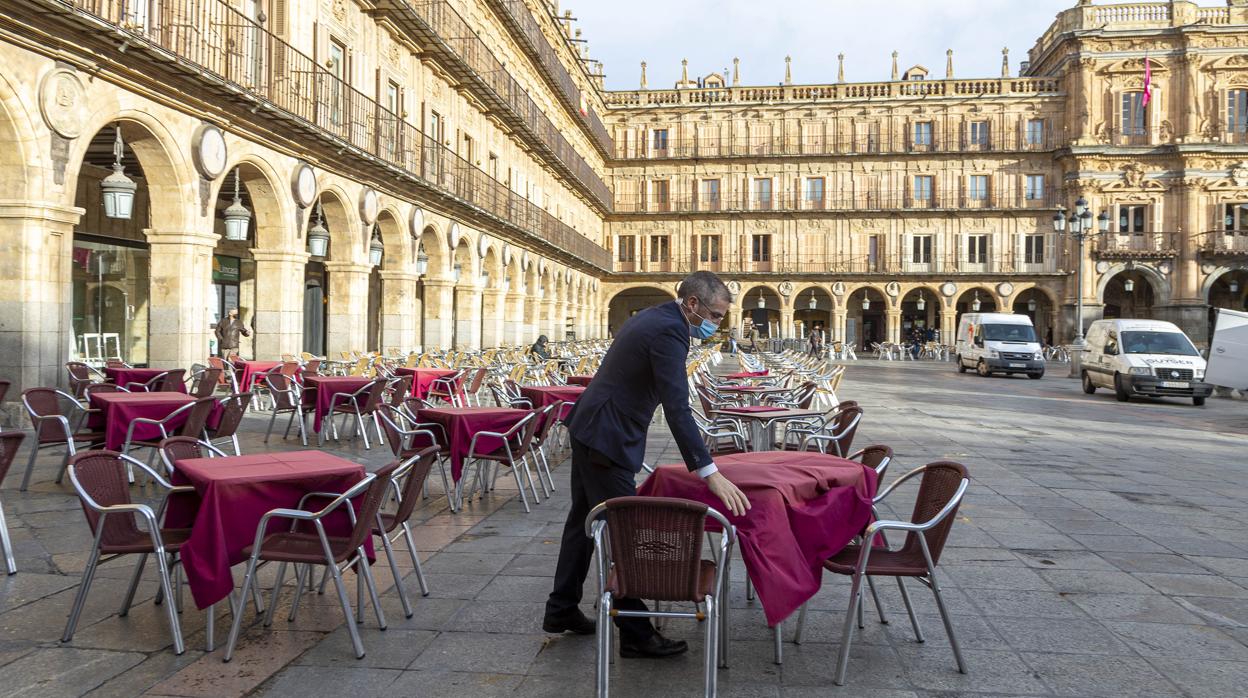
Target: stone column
{"x":892,"y":324}
{"x":531,"y":325}
{"x":786,"y":323}
{"x":36,"y":305}
{"x":439,"y":300}
{"x":838,"y":324}
{"x":181,"y":286}
{"x":948,"y":325}
{"x":604,"y":322}
{"x":347,"y":319}
{"x":399,"y":311}
{"x":561,"y":320}
{"x":493,"y":312}
{"x":514,"y":325}
{"x":279,"y":303}
{"x":549,"y":311}
{"x":467,"y":316}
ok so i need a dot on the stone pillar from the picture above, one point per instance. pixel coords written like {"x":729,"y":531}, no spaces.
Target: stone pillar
{"x":279,"y":304}
{"x":892,"y":324}
{"x":948,"y":326}
{"x":439,"y":300}
{"x":514,"y":326}
{"x":1058,"y":331}
{"x":347,"y":319}
{"x":786,"y":323}
{"x":734,"y":320}
{"x":562,"y":308}
{"x":181,"y":286}
{"x":532,"y":323}
{"x":493,"y":312}
{"x":547,"y":325}
{"x":36,"y":306}
{"x":467,"y":316}
{"x":399,"y":311}
{"x":604,"y":322}
{"x":838,"y":324}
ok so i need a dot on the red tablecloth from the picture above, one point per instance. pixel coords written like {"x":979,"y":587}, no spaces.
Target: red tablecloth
{"x":461,"y":423}
{"x":804,"y":508}
{"x":423,"y":378}
{"x":747,"y":374}
{"x":580,"y":380}
{"x":329,"y":387}
{"x":543,"y":395}
{"x":119,"y":409}
{"x":252,"y":371}
{"x":234,"y":494}
{"x":123,"y":376}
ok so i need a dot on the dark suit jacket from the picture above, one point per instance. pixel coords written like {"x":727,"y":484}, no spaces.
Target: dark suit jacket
{"x":644,"y":367}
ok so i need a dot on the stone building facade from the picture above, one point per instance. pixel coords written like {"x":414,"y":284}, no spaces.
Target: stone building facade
{"x":478,"y":186}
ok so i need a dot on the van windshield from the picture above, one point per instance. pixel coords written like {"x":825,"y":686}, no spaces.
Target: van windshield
{"x":1174,"y":343}
{"x":1009,"y":333}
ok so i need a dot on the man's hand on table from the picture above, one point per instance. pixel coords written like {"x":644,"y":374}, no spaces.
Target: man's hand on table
{"x":728,"y":493}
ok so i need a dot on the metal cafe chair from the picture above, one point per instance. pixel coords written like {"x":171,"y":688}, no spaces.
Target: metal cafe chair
{"x":204,"y":382}
{"x":361,"y":403}
{"x":336,"y":553}
{"x":412,"y":473}
{"x":448,"y":388}
{"x":838,"y":431}
{"x":100,"y":479}
{"x":10,"y":441}
{"x":651,"y":548}
{"x":195,"y":415}
{"x":406,"y":443}
{"x":56,"y":417}
{"x":233,"y":407}
{"x":941,"y":488}
{"x":168,"y":381}
{"x":287,"y":398}
{"x":876,"y":457}
{"x":176,"y":448}
{"x":517,"y":442}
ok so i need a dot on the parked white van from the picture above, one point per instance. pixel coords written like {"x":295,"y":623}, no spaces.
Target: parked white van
{"x":998,"y":343}
{"x":1143,"y":357}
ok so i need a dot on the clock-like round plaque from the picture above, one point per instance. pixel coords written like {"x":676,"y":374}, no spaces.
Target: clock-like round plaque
{"x":416,"y":222}
{"x":303,"y":185}
{"x":209,"y":151}
{"x":369,"y":205}
{"x":949,"y":288}
{"x":454,"y":235}
{"x":483,"y":246}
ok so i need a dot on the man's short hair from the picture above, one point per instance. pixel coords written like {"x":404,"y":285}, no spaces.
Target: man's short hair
{"x":705,"y":285}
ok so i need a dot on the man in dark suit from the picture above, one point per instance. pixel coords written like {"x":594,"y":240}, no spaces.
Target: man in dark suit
{"x":644,"y":368}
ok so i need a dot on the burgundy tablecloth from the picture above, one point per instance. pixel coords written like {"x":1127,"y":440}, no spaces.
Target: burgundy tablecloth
{"x":543,"y":395}
{"x":804,"y":508}
{"x":580,"y":380}
{"x":747,"y":374}
{"x":327,"y":389}
{"x":461,"y":423}
{"x":251,"y":371}
{"x":234,"y":494}
{"x":123,"y":376}
{"x":423,"y":378}
{"x":117,"y":410}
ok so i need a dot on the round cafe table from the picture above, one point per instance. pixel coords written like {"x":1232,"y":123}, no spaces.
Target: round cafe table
{"x":753,"y":393}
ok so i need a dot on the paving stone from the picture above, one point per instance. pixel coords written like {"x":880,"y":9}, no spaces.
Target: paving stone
{"x":311,"y":680}
{"x":1192,"y":585}
{"x":1133,"y":607}
{"x":1066,"y":635}
{"x":464,"y":651}
{"x":1076,"y":675}
{"x":1207,"y":679}
{"x":64,"y":671}
{"x":1169,"y":640}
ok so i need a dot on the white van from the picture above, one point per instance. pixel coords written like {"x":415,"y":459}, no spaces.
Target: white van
{"x":998,"y":343}
{"x":1143,"y":357}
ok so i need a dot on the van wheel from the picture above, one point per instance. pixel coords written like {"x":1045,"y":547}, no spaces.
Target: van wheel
{"x":961,"y":366}
{"x":1088,"y":386}
{"x":1120,"y":391}
{"x":1198,"y":401}
{"x":1036,"y":376}
{"x":982,"y":369}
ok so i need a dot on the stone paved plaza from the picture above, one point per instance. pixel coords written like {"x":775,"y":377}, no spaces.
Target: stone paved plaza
{"x":1101,"y":551}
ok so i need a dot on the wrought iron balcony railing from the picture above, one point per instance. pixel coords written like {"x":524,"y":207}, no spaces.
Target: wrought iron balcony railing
{"x":789,"y":201}
{"x":1136,"y":246}
{"x":1229,"y":243}
{"x":830,"y":144}
{"x":211,"y":42}
{"x":843,"y":263}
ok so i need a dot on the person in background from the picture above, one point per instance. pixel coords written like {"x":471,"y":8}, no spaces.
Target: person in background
{"x":539,"y":348}
{"x":754,"y":339}
{"x":228,"y":332}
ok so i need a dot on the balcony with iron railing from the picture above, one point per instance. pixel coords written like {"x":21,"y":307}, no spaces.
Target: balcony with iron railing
{"x":837,"y":92}
{"x":220,"y":51}
{"x":1136,"y":246}
{"x":1011,"y":262}
{"x":826,"y":145}
{"x":1224,"y":243}
{"x":869,"y":200}
{"x":449,"y":38}
{"x":528,"y":33}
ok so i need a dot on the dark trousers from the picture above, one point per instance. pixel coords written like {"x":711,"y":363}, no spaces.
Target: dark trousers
{"x":595,"y":479}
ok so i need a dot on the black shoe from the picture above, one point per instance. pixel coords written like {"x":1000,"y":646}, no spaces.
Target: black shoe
{"x":575,"y":622}
{"x":654,"y":647}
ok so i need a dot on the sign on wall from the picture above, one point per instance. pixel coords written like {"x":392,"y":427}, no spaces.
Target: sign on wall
{"x":225,"y":269}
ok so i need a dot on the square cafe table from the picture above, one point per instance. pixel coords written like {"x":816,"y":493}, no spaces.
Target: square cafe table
{"x":423,"y":378}
{"x":763,"y":420}
{"x":251,"y":371}
{"x":580,"y":380}
{"x":328,"y":388}
{"x":804,"y":508}
{"x":543,"y":395}
{"x":235,"y":492}
{"x":754,"y":393}
{"x":460,"y":424}
{"x":125,"y":376}
{"x":117,"y":410}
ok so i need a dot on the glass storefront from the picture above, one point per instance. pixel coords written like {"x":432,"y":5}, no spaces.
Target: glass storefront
{"x":111,"y":285}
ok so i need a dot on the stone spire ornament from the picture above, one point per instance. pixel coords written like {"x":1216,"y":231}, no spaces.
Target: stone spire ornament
{"x":949,"y":64}
{"x":788,"y":70}
{"x":840,"y":67}
{"x":1005,"y":62}
{"x":894,"y":65}
{"x":684,"y":71}
{"x":736,"y":72}
{"x":643,"y":76}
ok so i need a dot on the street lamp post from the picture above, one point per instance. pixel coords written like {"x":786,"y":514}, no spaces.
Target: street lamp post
{"x":1079,"y":227}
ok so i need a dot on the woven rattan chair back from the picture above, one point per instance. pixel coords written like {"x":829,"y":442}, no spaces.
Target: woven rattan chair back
{"x":656,"y":547}
{"x":10,"y":441}
{"x":940,"y":483}
{"x":101,"y":475}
